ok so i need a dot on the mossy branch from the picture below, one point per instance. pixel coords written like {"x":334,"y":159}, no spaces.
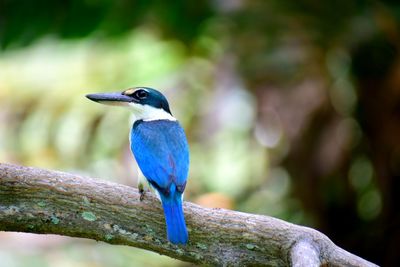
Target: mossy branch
{"x":51,"y":202}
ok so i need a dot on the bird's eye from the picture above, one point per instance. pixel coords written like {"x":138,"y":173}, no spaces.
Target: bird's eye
{"x":141,"y":94}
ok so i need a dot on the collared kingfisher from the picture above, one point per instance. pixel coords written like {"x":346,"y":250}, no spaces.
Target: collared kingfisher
{"x":159,"y":145}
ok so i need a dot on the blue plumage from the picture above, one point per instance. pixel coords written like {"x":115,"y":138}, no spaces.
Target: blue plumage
{"x":161,"y":151}
{"x":174,"y":219}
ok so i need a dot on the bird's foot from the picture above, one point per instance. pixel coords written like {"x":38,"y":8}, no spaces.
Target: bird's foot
{"x":142,"y":192}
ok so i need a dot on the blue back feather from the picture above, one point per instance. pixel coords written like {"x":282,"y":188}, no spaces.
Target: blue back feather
{"x":161,"y":151}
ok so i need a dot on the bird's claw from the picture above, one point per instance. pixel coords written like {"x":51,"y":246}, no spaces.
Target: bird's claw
{"x":141,"y":192}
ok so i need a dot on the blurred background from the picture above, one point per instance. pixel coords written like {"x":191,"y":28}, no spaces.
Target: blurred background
{"x":292,"y":109}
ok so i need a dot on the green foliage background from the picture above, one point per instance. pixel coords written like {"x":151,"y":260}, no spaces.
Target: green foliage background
{"x":292,"y":109}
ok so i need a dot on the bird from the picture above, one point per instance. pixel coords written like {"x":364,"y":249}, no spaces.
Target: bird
{"x":159,"y":145}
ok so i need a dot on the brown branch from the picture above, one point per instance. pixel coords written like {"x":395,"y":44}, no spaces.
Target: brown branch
{"x":50,"y":202}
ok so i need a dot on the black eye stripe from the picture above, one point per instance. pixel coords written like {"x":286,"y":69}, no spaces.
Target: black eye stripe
{"x":141,"y":94}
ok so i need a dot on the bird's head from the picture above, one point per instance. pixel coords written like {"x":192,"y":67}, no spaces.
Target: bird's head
{"x":146,"y":103}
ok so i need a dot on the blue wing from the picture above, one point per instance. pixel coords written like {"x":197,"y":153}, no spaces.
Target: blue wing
{"x":161,"y":151}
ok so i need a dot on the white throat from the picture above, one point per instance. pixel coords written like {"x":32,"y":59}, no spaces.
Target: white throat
{"x":149,"y":113}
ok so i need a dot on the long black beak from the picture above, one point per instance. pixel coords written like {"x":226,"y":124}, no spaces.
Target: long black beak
{"x":115,"y":99}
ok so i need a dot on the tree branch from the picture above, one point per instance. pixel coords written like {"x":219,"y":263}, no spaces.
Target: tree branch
{"x":50,"y":202}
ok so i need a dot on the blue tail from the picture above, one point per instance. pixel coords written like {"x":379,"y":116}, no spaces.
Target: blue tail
{"x":176,"y":226}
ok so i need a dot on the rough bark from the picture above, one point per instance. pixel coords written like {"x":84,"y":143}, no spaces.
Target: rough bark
{"x":51,"y":202}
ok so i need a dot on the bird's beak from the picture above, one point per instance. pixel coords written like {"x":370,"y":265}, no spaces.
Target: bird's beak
{"x":113,"y":99}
